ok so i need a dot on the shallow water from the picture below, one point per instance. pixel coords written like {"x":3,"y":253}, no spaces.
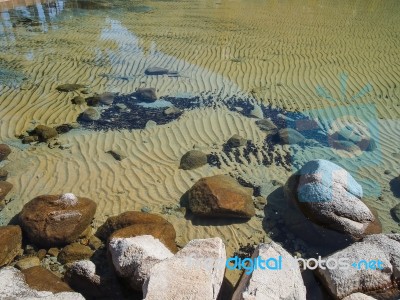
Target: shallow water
{"x":332,"y":61}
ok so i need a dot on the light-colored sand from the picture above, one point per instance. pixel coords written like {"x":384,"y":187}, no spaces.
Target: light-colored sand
{"x":277,"y":51}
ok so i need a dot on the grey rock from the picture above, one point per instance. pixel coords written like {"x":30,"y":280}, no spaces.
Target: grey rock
{"x":146,"y":94}
{"x":330,"y":196}
{"x":267,"y":125}
{"x":395,"y":212}
{"x":236,"y":141}
{"x":257,"y":112}
{"x":286,"y":283}
{"x":156,"y":71}
{"x":195,"y":272}
{"x":344,"y":282}
{"x":118,"y":155}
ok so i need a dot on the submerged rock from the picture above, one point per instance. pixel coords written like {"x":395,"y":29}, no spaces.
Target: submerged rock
{"x":78,"y":100}
{"x":355,"y":135}
{"x":395,"y":212}
{"x":13,"y":286}
{"x":118,"y":155}
{"x":257,"y":112}
{"x":268,"y":126}
{"x":11,"y":243}
{"x":359,"y":277}
{"x":195,"y":272}
{"x":133,"y":257}
{"x":193,"y":159}
{"x":329,"y":196}
{"x":5,"y":150}
{"x":5,"y":188}
{"x":90,"y":114}
{"x":236,"y":141}
{"x":45,"y":133}
{"x":221,"y":195}
{"x":290,"y":136}
{"x":156,"y":71}
{"x":146,"y":94}
{"x":172,"y":111}
{"x":70,"y":87}
{"x":51,"y":220}
{"x":41,"y":279}
{"x":285,"y":283}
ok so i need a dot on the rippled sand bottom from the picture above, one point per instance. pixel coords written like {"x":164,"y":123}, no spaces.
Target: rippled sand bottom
{"x":277,"y":52}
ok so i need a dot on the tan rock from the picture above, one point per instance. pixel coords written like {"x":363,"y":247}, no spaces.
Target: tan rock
{"x":74,"y":252}
{"x":27,"y":262}
{"x":45,"y":133}
{"x":221,"y":195}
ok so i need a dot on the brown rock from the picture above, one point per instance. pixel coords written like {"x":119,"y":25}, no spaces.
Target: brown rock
{"x":221,"y":195}
{"x":11,"y":243}
{"x":45,"y":133}
{"x":94,"y":242}
{"x":146,"y":94}
{"x":193,"y":160}
{"x":74,"y":252}
{"x":52,"y":220}
{"x":127,"y":219}
{"x":5,"y":188}
{"x":40,"y":279}
{"x":164,"y":232}
{"x":5,"y":150}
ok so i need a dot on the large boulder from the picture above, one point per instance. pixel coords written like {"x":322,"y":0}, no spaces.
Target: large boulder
{"x":361,"y":275}
{"x":41,"y":279}
{"x":5,"y":150}
{"x":134,"y":257}
{"x":193,"y":159}
{"x":284,"y":282}
{"x":52,"y":220}
{"x":195,"y":272}
{"x":129,"y":218}
{"x":329,"y":196}
{"x":11,"y":243}
{"x":221,"y":195}
{"x":13,"y":286}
